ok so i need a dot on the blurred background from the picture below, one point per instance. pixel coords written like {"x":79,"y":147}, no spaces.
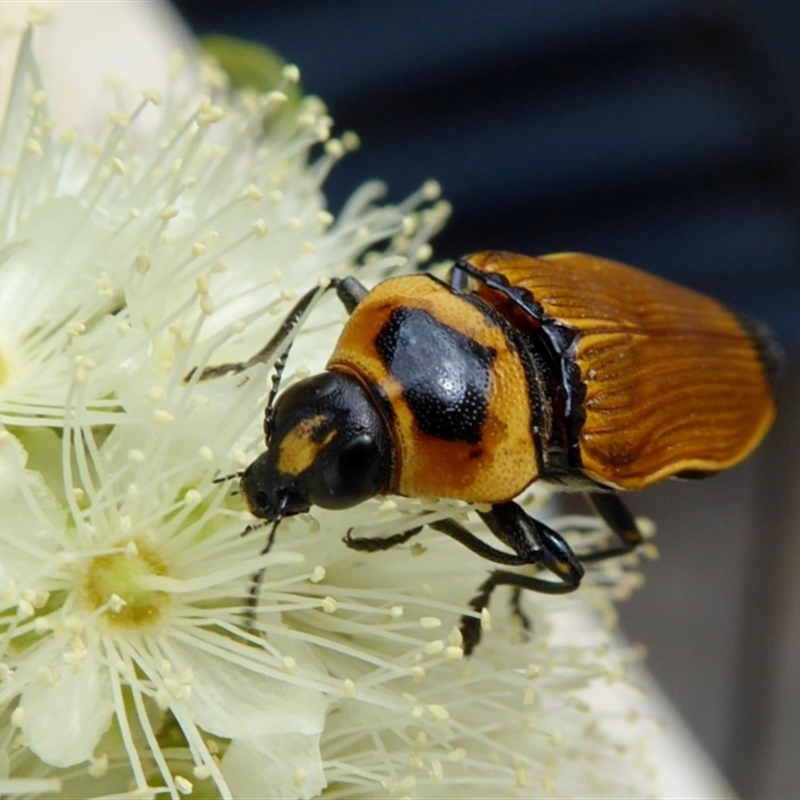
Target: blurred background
{"x":661,"y":133}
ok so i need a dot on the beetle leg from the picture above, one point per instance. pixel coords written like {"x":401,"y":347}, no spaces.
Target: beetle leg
{"x":471,"y":626}
{"x":458,"y":532}
{"x":349,"y":291}
{"x":371,"y":544}
{"x":534,"y":543}
{"x":616,"y":515}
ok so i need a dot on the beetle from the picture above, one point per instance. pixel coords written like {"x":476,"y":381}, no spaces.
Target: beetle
{"x":590,"y":375}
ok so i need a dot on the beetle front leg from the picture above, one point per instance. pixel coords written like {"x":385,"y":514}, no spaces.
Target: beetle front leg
{"x":350,"y":293}
{"x":372,"y":544}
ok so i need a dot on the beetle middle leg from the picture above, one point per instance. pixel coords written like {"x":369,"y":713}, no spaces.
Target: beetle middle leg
{"x":534,"y":543}
{"x":471,"y":626}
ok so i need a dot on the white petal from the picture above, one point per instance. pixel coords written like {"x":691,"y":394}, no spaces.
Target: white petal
{"x":232,"y":701}
{"x":286,"y":765}
{"x":29,"y":518}
{"x":64,"y":722}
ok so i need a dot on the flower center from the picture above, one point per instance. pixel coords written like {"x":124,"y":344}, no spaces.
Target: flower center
{"x":127,"y":575}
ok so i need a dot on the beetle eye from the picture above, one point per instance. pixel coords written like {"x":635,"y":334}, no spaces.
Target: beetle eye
{"x":350,"y":475}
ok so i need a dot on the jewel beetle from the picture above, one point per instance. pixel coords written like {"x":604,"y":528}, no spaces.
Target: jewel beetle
{"x":588,"y":374}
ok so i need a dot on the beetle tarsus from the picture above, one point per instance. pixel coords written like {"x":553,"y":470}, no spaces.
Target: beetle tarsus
{"x":372,"y":544}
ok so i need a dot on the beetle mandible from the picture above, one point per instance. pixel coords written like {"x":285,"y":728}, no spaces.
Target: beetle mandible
{"x":568,"y":368}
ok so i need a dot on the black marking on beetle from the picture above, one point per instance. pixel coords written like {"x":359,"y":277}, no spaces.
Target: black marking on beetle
{"x":445,"y":375}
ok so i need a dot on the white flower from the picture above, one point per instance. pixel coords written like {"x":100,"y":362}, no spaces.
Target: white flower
{"x":130,"y":661}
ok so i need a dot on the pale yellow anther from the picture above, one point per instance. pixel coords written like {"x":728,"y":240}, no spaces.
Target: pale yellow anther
{"x":424,"y":253}
{"x":162,"y":417}
{"x":118,"y":165}
{"x":430,"y":622}
{"x":459,"y":754}
{"x":183,"y":785}
{"x":318,"y":574}
{"x":152,"y":96}
{"x":431,"y":190}
{"x":349,"y":688}
{"x":156,"y":395}
{"x":206,"y":453}
{"x":435,"y":648}
{"x":325,"y":218}
{"x":291,"y":73}
{"x":438,"y":713}
{"x":17,"y":716}
{"x":168,"y":213}
{"x":33,"y":147}
{"x":259,"y":228}
{"x":275,"y":98}
{"x":199,"y":249}
{"x":119,"y":118}
{"x":418,"y":674}
{"x":454,"y":653}
{"x":334,"y":148}
{"x":486,"y":619}
{"x":329,"y":605}
{"x":351,"y":141}
{"x":397,"y":611}
{"x":252,"y":192}
{"x":25,"y":610}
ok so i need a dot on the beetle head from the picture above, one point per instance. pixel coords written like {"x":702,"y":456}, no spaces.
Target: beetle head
{"x":328,"y":446}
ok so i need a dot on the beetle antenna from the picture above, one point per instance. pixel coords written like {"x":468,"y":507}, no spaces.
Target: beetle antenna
{"x":223,"y":478}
